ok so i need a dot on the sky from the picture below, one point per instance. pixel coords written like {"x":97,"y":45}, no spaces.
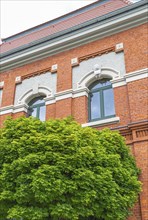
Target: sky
{"x":19,"y":15}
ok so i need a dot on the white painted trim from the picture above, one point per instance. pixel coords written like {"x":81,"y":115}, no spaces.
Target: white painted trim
{"x":118,"y":82}
{"x":7,"y":111}
{"x":130,"y":77}
{"x":20,"y":108}
{"x":50,"y":100}
{"x":102,"y":122}
{"x":136,"y":75}
{"x":79,"y":94}
{"x":63,"y":95}
{"x":13,"y":109}
{"x":67,"y":94}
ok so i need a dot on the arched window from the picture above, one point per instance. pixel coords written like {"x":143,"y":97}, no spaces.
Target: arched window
{"x":37,"y":108}
{"x":101,"y":100}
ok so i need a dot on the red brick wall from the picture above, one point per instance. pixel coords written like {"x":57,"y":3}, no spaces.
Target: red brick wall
{"x":135,"y":59}
{"x":130,"y":101}
{"x":80,"y":110}
{"x":141,"y":155}
{"x":138,"y":99}
{"x":50,"y":111}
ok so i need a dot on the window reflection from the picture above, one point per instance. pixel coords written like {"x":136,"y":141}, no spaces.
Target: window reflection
{"x":37,"y":108}
{"x":101,"y":100}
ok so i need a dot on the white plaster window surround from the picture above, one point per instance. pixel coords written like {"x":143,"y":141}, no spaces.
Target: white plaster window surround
{"x":35,"y":91}
{"x":44,"y":84}
{"x":102,"y":122}
{"x":97,"y":74}
{"x":111,"y":61}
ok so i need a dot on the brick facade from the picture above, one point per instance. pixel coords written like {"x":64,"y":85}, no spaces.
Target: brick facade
{"x":131,"y":103}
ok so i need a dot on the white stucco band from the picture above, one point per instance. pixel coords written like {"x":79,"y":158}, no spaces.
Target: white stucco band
{"x":67,"y":94}
{"x":130,"y":77}
{"x":13,"y":109}
{"x":121,"y":81}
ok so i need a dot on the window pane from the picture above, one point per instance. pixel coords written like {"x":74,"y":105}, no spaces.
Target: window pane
{"x":95,"y":106}
{"x":42,"y":113}
{"x":101,"y":84}
{"x":36,"y":101}
{"x":34,"y":112}
{"x":108,"y":102}
{"x":39,"y":101}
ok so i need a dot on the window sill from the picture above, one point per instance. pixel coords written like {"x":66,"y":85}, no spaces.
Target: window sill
{"x":102,"y":122}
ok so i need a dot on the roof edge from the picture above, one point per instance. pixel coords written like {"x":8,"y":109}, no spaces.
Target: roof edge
{"x":55,"y":20}
{"x":113,"y":13}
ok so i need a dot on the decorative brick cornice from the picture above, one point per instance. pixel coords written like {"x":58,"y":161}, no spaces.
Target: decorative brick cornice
{"x":98,"y":53}
{"x":36,"y":73}
{"x":134,"y":132}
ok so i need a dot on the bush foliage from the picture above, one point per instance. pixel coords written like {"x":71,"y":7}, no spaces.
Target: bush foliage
{"x":60,"y":171}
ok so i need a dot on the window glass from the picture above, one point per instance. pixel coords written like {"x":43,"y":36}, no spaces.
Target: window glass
{"x":42,"y":113}
{"x":101,"y":83}
{"x":108,"y":102}
{"x":36,"y":101}
{"x":33,"y":112}
{"x":101,"y":100}
{"x":95,"y":105}
{"x":37,"y":108}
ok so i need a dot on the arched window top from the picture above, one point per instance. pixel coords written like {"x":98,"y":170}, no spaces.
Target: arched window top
{"x":98,"y":73}
{"x":37,"y":108}
{"x":100,"y":84}
{"x":37,"y":100}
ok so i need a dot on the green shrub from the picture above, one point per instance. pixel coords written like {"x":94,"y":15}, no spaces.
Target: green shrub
{"x":60,"y":171}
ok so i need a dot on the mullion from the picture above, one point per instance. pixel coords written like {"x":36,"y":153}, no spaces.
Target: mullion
{"x":101,"y":104}
{"x":89,"y":106}
{"x":38,"y":112}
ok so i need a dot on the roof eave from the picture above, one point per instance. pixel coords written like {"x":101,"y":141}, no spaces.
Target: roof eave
{"x":110,"y":24}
